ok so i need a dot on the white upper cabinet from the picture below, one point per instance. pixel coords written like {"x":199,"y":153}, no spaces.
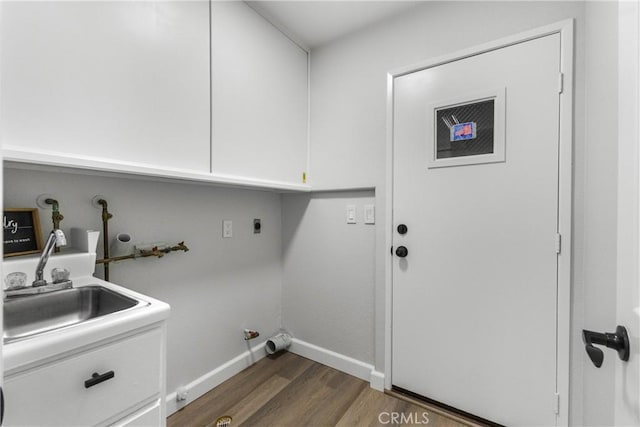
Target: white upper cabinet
{"x":259,"y":97}
{"x":189,"y":90}
{"x":123,"y":83}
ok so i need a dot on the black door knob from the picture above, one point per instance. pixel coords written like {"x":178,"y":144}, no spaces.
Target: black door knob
{"x":402,"y":251}
{"x":402,"y":229}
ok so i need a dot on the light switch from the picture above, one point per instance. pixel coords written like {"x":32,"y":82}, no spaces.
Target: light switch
{"x":351,"y":214}
{"x":227,"y":228}
{"x":369,"y":214}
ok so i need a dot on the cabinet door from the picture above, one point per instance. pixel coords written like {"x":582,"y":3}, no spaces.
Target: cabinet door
{"x":259,"y":97}
{"x":129,"y":373}
{"x":117,"y":81}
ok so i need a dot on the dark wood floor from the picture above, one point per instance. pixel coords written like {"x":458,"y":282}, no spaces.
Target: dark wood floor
{"x":289,"y":390}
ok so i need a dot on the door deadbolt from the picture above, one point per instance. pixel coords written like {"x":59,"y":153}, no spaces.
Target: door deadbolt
{"x":402,"y":229}
{"x":402,"y":251}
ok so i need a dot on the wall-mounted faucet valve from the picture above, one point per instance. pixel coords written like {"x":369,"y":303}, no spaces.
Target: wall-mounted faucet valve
{"x":250,"y":334}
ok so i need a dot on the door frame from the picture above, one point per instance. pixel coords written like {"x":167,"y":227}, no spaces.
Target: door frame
{"x":565,"y":193}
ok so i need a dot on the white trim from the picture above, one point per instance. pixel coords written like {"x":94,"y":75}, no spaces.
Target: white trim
{"x":377,"y":380}
{"x":346,"y":189}
{"x":525,"y":36}
{"x":307,"y":171}
{"x":29,"y":157}
{"x":565,"y":221}
{"x":346,"y":364}
{"x":566,"y":30}
{"x":388,"y":266}
{"x":210,"y":380}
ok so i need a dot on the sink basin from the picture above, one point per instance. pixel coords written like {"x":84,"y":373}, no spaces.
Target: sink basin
{"x":31,"y":315}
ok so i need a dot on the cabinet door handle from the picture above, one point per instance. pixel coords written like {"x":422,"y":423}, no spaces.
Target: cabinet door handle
{"x":97,"y":378}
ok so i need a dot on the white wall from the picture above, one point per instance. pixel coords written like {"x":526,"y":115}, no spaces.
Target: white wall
{"x":348,"y":131}
{"x":215,"y":290}
{"x":328,"y":289}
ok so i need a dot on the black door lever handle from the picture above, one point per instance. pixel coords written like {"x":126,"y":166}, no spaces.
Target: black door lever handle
{"x":618,"y":341}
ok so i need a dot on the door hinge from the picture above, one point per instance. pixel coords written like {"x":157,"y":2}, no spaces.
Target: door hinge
{"x":560,"y":83}
{"x":558,"y":243}
{"x":556,"y":403}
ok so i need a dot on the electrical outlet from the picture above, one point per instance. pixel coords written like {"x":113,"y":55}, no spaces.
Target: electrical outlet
{"x":227,"y":228}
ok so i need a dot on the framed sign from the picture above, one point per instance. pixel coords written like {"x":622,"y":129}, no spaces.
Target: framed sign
{"x":21,"y":232}
{"x":467,"y":130}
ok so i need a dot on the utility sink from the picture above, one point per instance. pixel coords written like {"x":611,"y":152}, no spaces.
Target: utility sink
{"x":31,"y":315}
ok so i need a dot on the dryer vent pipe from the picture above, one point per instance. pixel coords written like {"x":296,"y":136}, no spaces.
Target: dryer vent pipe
{"x":278,"y":342}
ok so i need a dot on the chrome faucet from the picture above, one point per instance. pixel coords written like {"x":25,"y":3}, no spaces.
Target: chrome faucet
{"x":56,"y":237}
{"x":40,"y":286}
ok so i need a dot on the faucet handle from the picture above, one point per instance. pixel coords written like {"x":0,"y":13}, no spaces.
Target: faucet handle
{"x":61,"y":239}
{"x":17,"y":280}
{"x":59,"y":275}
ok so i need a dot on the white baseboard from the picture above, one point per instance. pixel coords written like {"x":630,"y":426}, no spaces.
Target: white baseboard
{"x":377,"y":380}
{"x":211,"y":379}
{"x":346,"y":364}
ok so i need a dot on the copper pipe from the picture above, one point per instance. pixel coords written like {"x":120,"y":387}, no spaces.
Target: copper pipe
{"x":144,"y":254}
{"x":106,"y":261}
{"x":56,"y":216}
{"x":106,"y":216}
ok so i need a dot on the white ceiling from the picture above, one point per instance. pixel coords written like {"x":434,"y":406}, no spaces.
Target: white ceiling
{"x":313,"y":23}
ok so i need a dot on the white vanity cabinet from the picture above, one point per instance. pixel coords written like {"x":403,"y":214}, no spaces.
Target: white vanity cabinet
{"x":124,"y":83}
{"x":128,"y":387}
{"x":259,"y":97}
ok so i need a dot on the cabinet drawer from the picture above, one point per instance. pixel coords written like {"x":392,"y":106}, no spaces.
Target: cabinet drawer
{"x":148,"y":417}
{"x":57,"y":394}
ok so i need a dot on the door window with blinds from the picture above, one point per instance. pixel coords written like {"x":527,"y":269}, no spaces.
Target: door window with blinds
{"x":468,"y":130}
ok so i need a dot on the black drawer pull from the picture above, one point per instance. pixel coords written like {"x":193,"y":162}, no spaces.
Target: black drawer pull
{"x":96,"y":378}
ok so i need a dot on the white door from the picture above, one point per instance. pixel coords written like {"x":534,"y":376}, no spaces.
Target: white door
{"x":475,"y":298}
{"x":627,"y":387}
